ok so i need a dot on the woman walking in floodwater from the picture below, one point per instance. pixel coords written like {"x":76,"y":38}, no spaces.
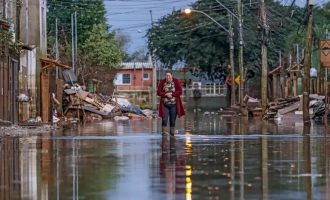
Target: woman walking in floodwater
{"x":170,"y":105}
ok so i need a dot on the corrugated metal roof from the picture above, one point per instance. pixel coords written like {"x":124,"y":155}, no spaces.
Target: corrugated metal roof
{"x":136,"y":65}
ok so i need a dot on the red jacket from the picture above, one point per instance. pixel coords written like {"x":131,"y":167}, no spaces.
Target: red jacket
{"x":177,"y":93}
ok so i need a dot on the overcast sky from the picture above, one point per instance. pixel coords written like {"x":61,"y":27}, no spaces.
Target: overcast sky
{"x":132,"y":17}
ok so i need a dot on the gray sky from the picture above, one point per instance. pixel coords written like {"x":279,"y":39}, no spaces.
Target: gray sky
{"x":132,"y":17}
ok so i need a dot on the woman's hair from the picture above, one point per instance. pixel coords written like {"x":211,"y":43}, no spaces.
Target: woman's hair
{"x":169,"y":71}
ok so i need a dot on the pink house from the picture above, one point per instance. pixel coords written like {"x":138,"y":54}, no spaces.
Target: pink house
{"x":134,"y":76}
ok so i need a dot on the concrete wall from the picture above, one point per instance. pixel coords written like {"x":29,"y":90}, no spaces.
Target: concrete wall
{"x":33,"y":32}
{"x":27,"y":84}
{"x":33,"y":24}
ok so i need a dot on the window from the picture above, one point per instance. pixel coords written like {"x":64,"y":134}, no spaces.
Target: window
{"x":145,"y":76}
{"x":126,"y":78}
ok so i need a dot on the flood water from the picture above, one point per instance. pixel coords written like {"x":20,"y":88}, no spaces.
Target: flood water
{"x":212,"y":157}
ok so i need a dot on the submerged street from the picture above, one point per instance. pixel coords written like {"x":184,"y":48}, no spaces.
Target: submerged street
{"x":211,"y":158}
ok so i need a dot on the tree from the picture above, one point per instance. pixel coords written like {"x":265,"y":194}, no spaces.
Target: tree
{"x":98,"y":50}
{"x":101,"y":48}
{"x":137,"y":56}
{"x":89,"y":13}
{"x":100,"y":53}
{"x":193,"y":39}
{"x":123,"y":39}
{"x":199,"y":42}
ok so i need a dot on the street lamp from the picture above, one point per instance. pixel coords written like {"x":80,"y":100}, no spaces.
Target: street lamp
{"x":189,"y":10}
{"x":240,"y":57}
{"x":231,"y":46}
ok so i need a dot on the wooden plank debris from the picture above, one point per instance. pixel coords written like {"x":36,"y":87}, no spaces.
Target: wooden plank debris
{"x":281,"y":106}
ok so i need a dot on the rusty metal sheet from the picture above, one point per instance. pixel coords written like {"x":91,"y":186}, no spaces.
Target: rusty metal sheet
{"x":325,"y":53}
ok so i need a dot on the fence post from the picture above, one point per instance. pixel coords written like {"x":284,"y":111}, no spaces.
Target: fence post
{"x":214,"y":90}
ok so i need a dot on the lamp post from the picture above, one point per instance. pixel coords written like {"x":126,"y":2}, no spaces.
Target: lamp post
{"x":231,"y":46}
{"x":189,"y":10}
{"x":240,"y":58}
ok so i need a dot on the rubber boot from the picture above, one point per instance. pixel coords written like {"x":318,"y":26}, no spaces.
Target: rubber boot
{"x":164,"y":130}
{"x":172,"y":131}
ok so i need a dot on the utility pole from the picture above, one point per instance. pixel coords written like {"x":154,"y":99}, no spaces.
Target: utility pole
{"x":240,"y":57}
{"x":18,"y":19}
{"x":56,"y":45}
{"x":76,"y":40}
{"x":231,"y":51}
{"x":154,"y":73}
{"x":297,"y":56}
{"x":231,"y":59}
{"x":27,"y":38}
{"x":280,"y":57}
{"x":307,"y":61}
{"x":72,"y":44}
{"x":327,"y":36}
{"x":264,"y":51}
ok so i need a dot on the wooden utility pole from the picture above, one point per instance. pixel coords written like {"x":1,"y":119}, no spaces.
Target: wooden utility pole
{"x":75,"y":41}
{"x":56,"y":46}
{"x":307,"y":61}
{"x":231,"y":59}
{"x":327,"y":36}
{"x":72,"y":44}
{"x":231,"y":49}
{"x":18,"y":20}
{"x":240,"y":57}
{"x":264,"y":51}
{"x":154,"y":72}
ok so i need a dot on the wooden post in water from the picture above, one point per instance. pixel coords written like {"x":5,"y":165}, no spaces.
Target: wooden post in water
{"x":307,"y":62}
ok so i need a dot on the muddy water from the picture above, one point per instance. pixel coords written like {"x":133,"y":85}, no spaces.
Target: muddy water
{"x":211,"y":158}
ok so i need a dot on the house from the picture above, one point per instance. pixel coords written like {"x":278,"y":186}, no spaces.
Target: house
{"x":134,"y":79}
{"x":134,"y":76}
{"x":25,"y":22}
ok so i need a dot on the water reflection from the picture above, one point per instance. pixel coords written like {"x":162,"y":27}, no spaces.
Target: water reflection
{"x":172,"y":170}
{"x":307,"y":163}
{"x":238,"y":158}
{"x":10,"y":170}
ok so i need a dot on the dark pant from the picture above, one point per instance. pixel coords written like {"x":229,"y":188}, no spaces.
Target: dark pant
{"x":170,"y":112}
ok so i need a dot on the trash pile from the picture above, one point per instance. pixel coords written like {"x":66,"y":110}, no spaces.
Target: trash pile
{"x":80,"y":105}
{"x":281,"y":106}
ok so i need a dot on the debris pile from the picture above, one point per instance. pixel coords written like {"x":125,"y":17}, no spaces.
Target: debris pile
{"x":78,"y":104}
{"x":81,"y":105}
{"x":281,"y":106}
